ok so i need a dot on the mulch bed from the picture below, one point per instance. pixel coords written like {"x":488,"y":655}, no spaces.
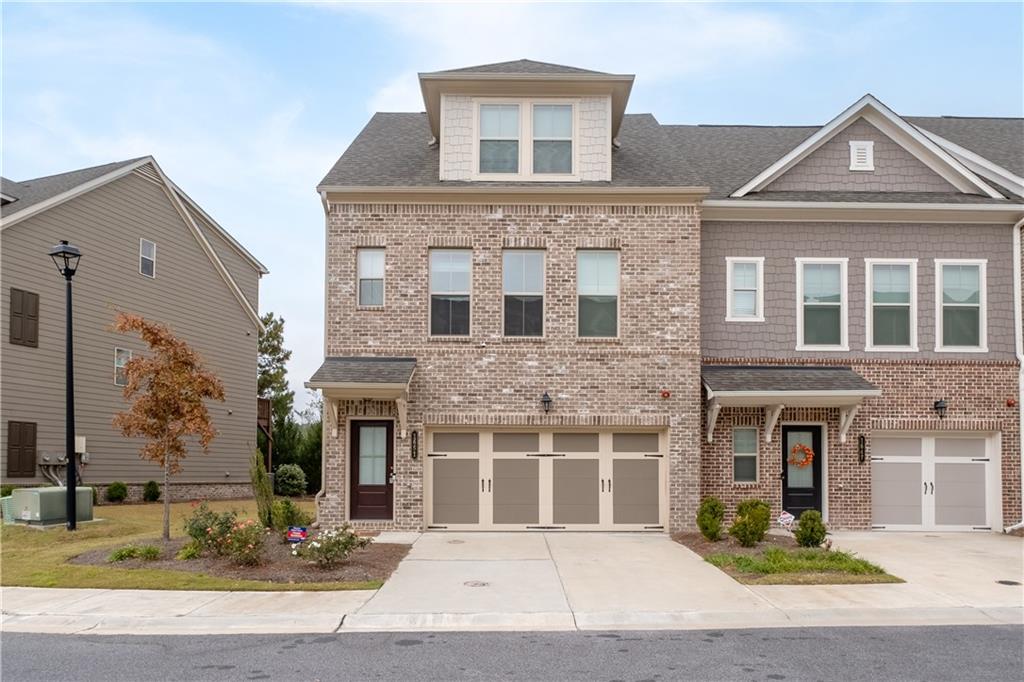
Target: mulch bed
{"x":728,"y":544}
{"x":375,"y":562}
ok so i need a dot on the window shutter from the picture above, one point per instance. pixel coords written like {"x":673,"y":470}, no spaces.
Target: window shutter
{"x":24,"y":318}
{"x":17,"y":316}
{"x":21,"y":449}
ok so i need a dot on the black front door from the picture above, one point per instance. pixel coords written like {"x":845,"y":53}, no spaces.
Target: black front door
{"x":372,"y":457}
{"x":801,"y":485}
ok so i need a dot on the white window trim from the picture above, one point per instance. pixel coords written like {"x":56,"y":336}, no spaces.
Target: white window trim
{"x":384,"y":279}
{"x":526,"y":141}
{"x":618,"y":299}
{"x":844,"y":337}
{"x":141,"y":256}
{"x":730,"y":316}
{"x":982,"y":264}
{"x":430,"y":294}
{"x":543,"y":293}
{"x":869,"y":146}
{"x":756,"y":455}
{"x":869,"y":344}
{"x":130,"y":355}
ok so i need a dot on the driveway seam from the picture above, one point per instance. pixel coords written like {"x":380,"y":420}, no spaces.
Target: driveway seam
{"x":561,"y":583}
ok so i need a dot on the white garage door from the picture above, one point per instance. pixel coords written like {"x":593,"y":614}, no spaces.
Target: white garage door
{"x":546,"y":480}
{"x":934,"y":481}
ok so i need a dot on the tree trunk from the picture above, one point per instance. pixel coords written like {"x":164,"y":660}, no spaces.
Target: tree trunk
{"x":167,"y":499}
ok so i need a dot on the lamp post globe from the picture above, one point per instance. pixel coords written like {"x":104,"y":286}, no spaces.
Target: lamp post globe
{"x":66,"y":256}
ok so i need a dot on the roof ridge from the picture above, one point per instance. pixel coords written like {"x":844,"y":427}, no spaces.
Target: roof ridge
{"x":111,"y":164}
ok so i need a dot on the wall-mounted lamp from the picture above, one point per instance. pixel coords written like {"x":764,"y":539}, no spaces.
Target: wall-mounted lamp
{"x":940,"y":408}
{"x":545,"y":402}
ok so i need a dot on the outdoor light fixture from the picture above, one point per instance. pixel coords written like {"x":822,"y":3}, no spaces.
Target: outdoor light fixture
{"x":66,"y":257}
{"x":940,"y":408}
{"x":545,"y":402}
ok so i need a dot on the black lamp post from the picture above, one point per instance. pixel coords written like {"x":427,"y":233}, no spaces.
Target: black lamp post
{"x":65,"y":257}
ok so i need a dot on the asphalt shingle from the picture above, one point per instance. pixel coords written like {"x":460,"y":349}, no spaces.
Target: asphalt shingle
{"x":528,"y":66}
{"x":727,"y":378}
{"x":31,"y":192}
{"x":364,"y":370}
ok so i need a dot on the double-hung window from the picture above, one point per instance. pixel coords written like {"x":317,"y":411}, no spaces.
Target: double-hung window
{"x":821,"y":304}
{"x":552,"y":138}
{"x":523,"y":286}
{"x":597,"y":287}
{"x":450,"y":291}
{"x":744,"y":455}
{"x":370,"y":266}
{"x":745,"y":302}
{"x":121,"y":358}
{"x":960,"y":290}
{"x":147,"y":258}
{"x":499,"y":138}
{"x":892,"y":304}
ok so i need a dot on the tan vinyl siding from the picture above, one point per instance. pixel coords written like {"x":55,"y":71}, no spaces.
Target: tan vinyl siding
{"x":187,"y":294}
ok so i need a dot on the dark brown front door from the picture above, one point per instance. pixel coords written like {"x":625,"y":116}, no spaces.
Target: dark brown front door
{"x":801,"y":485}
{"x":373,"y":466}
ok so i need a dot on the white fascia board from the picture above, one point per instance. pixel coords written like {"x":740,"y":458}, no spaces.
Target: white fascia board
{"x":978,"y":163}
{"x":241,"y":250}
{"x":763,"y":210}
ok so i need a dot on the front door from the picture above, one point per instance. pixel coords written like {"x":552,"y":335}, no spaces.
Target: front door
{"x":801,"y":480}
{"x":373,"y":468}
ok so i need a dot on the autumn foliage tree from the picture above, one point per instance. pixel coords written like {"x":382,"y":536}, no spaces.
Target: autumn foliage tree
{"x":168,"y":390}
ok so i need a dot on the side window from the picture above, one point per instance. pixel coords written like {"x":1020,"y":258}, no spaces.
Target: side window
{"x":523,"y":287}
{"x":147,"y":258}
{"x":24,"y":321}
{"x":745,"y":294}
{"x":450,"y":285}
{"x":499,"y":138}
{"x":121,"y":358}
{"x":597,"y":288}
{"x":821,"y":304}
{"x":21,"y":449}
{"x":744,"y":455}
{"x":892,"y":304}
{"x":370,"y":266}
{"x":961,"y":293}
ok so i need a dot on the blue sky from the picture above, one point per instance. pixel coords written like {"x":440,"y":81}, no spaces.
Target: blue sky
{"x":246,"y":106}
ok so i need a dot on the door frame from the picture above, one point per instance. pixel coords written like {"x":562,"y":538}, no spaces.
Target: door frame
{"x":348,"y":464}
{"x":823,"y":457}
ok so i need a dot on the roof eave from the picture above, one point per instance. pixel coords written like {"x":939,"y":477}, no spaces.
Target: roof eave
{"x":858,"y":212}
{"x":540,"y":193}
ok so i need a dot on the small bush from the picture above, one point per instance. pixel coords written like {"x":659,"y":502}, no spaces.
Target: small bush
{"x":208,"y":529}
{"x":6,"y":490}
{"x":289,"y":480}
{"x":192,"y":550}
{"x":145,"y":552}
{"x":151,"y":491}
{"x":810,"y":529}
{"x":753,"y":518}
{"x":330,"y":547}
{"x":262,"y":490}
{"x":710,"y":517}
{"x":149,"y":553}
{"x":287,"y":513}
{"x":244,"y":543}
{"x":116,"y":492}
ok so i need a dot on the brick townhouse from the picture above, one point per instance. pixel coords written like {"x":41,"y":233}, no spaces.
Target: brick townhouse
{"x":545,"y":313}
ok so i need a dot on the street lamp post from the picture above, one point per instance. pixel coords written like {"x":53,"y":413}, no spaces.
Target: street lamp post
{"x":65,"y":257}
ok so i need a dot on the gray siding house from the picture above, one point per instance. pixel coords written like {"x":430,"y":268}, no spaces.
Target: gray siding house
{"x":147,"y":249}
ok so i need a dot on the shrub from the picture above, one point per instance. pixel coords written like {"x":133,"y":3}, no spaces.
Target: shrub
{"x":208,"y":529}
{"x":289,"y":480}
{"x":116,"y":492}
{"x":145,"y":552}
{"x":287,"y":513}
{"x":810,"y":529}
{"x":192,"y":550}
{"x":6,"y":490}
{"x":149,"y":553}
{"x":710,"y":517}
{"x":244,"y":543}
{"x":753,"y":518}
{"x":151,"y":491}
{"x":330,"y":547}
{"x":261,"y":489}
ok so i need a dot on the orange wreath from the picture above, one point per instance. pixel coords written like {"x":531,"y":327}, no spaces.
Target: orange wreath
{"x":801,"y":449}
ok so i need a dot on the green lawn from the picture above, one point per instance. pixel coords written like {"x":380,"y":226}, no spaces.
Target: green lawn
{"x":38,"y":558}
{"x":776,"y":566}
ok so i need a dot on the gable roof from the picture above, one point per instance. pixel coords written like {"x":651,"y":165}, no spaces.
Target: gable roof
{"x":521,"y":66}
{"x":28,"y":193}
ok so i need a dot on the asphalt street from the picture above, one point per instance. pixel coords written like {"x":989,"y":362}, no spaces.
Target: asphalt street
{"x":922,"y":653}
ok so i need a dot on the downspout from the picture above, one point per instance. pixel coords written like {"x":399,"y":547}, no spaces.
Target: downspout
{"x":1018,"y":337}
{"x":323,"y":399}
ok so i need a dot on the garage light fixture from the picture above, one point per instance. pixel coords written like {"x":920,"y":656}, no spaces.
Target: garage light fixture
{"x":545,"y":402}
{"x":940,"y":408}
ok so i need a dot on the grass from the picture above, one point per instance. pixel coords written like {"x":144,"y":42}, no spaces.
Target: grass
{"x":38,"y":558}
{"x":776,"y":566}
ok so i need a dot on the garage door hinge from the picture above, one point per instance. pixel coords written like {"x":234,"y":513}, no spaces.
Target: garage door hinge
{"x":979,"y":459}
{"x":545,"y":527}
{"x":877,"y":459}
{"x":654,"y":455}
{"x":654,"y":527}
{"x":437,"y":527}
{"x":877,"y":527}
{"x":435,"y":454}
{"x":981,"y":528}
{"x":546,"y":454}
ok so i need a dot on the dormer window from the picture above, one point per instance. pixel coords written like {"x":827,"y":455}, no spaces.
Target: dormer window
{"x":499,"y":138}
{"x":525,"y":139}
{"x":862,"y":155}
{"x":552,"y":138}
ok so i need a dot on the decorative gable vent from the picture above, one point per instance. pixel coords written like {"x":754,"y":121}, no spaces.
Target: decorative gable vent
{"x":862,"y":155}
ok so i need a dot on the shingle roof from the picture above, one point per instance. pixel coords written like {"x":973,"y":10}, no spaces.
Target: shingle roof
{"x":1000,"y":140}
{"x":728,"y":378}
{"x":522,"y":66}
{"x":30,"y":192}
{"x":874,"y":197}
{"x":364,"y":370}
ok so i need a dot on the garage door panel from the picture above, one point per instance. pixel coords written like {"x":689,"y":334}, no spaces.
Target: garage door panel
{"x":516,"y":496}
{"x":456,"y":491}
{"x":896,"y":489}
{"x":886,"y":446}
{"x":960,"y":447}
{"x":635,"y":498}
{"x":576,"y":497}
{"x":576,"y":442}
{"x":456,"y":441}
{"x":960,"y":494}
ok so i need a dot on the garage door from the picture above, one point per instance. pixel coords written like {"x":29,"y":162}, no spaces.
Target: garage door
{"x":546,"y":480}
{"x":934,"y":482}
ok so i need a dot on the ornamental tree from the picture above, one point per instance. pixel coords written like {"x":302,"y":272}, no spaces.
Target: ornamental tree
{"x":168,"y":390}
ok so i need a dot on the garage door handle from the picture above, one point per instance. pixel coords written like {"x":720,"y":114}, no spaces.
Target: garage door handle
{"x":932,"y":491}
{"x":609,"y":485}
{"x":481,"y":485}
{"x":602,"y":485}
{"x":488,"y":485}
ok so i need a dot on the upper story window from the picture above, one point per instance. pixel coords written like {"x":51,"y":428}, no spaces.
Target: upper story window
{"x":450,"y":285}
{"x":862,"y":155}
{"x":745,"y":295}
{"x":527,"y":139}
{"x":24,"y":318}
{"x":892,"y":304}
{"x":121,"y":358}
{"x":821,"y":304}
{"x":370,"y":276}
{"x":960,"y":290}
{"x":523,"y":286}
{"x":597,"y":288}
{"x":147,"y":258}
{"x":499,"y":138}
{"x":552,"y":138}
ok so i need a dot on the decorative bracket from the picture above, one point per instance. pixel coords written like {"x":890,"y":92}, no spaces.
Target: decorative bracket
{"x":402,"y":404}
{"x":714,"y":407}
{"x":332,"y":410}
{"x":846,"y":417}
{"x":771,"y":418}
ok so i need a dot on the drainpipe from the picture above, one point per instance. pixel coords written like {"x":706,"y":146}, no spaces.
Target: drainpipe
{"x":324,"y":404}
{"x":1018,"y":334}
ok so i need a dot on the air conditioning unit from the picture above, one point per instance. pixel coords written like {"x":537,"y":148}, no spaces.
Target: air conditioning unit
{"x":46,"y":506}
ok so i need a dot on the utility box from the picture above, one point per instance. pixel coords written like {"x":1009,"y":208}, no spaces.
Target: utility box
{"x":47,"y":506}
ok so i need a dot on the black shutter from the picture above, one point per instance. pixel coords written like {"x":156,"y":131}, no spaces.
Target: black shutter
{"x":31,"y":329}
{"x":24,"y":318}
{"x":21,"y":449}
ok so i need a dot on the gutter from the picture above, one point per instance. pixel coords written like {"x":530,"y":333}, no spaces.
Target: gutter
{"x":323,"y":411}
{"x":1018,"y":334}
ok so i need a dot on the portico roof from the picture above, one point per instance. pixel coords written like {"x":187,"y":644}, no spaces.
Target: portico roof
{"x":363,"y":377}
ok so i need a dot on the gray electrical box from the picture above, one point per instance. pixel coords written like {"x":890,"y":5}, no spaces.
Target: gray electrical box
{"x":45,"y":506}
